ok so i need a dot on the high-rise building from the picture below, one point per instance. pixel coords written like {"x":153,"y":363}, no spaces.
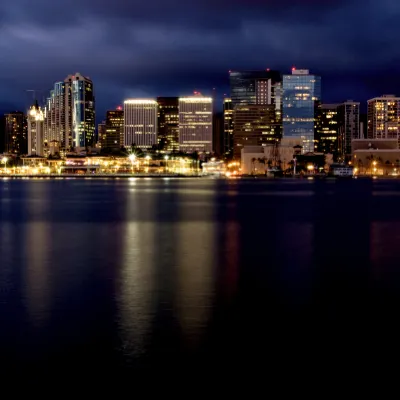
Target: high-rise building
{"x":254,"y":125}
{"x":114,"y":129}
{"x":55,"y":112}
{"x":2,"y":134}
{"x":349,"y":126}
{"x":327,"y":136}
{"x":384,"y":117}
{"x":70,"y":113}
{"x":228,"y":126}
{"x":301,"y":98}
{"x":168,"y":123}
{"x":196,"y":124}
{"x":15,"y":133}
{"x":253,"y":87}
{"x":218,"y":133}
{"x":140,"y":123}
{"x":101,"y":134}
{"x":35,"y":131}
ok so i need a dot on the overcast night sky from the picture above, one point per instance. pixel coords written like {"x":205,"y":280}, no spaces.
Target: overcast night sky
{"x":172,"y":47}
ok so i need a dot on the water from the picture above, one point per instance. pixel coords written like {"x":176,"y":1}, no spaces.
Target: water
{"x":190,"y":274}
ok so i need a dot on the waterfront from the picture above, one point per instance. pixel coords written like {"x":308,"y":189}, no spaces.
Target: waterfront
{"x":176,"y":274}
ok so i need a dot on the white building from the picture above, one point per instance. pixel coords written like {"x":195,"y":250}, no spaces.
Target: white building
{"x":384,"y":117}
{"x":35,"y":131}
{"x":196,"y":124}
{"x":140,"y":120}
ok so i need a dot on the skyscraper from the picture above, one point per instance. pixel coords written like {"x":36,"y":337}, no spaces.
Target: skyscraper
{"x":349,"y":126}
{"x":70,"y":113}
{"x":15,"y":133}
{"x":101,"y":134}
{"x":327,"y":136}
{"x":114,"y":129}
{"x":168,"y":123}
{"x":196,"y":124}
{"x":140,"y":122}
{"x":301,"y":98}
{"x":254,"y":125}
{"x":228,"y":126}
{"x":384,"y":117}
{"x":55,"y":112}
{"x":253,"y":87}
{"x":35,"y":131}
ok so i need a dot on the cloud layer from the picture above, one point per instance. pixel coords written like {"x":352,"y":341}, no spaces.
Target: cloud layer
{"x":136,"y":48}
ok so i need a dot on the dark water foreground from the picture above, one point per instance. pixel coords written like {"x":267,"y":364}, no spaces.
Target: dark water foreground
{"x":197,"y":276}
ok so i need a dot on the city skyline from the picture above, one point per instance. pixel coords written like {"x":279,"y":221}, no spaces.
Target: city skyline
{"x":168,"y":55}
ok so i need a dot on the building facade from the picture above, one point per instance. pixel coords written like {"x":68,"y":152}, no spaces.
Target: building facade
{"x":15,"y":133}
{"x":114,"y":129}
{"x":35,"y":131}
{"x":349,"y":126}
{"x":196,"y":124}
{"x":253,"y":87}
{"x":101,"y":134}
{"x":228,"y":126}
{"x":384,"y":117}
{"x":327,"y":136}
{"x":140,"y":123}
{"x":168,"y":123}
{"x":70,"y":113}
{"x":254,"y":125}
{"x":301,"y":99}
{"x":55,"y":113}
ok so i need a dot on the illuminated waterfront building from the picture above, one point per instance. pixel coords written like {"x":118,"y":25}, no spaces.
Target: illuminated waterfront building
{"x":228,"y":126}
{"x":114,"y":129}
{"x":70,"y":113}
{"x":254,"y":125}
{"x":140,"y":123}
{"x":349,"y":126}
{"x":254,"y":87}
{"x":55,"y":111}
{"x":168,"y":123}
{"x":384,"y":117}
{"x":101,"y":134}
{"x":196,"y":124}
{"x":301,"y":98}
{"x":35,"y":131}
{"x":327,"y":136}
{"x":15,"y":133}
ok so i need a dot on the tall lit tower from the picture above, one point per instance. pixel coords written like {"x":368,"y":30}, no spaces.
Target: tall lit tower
{"x":35,"y":131}
{"x":301,"y":100}
{"x":70,"y":113}
{"x":228,"y":126}
{"x":196,"y":124}
{"x":384,"y":117}
{"x":140,"y":121}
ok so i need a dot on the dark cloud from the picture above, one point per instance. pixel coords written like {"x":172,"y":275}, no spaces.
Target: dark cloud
{"x":137,"y":48}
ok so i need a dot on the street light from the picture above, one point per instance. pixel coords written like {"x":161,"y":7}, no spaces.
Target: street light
{"x":4,"y":161}
{"x":132,"y":159}
{"x":166,"y":163}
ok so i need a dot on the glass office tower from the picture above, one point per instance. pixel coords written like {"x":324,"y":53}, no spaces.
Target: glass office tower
{"x":301,"y":98}
{"x":253,"y":87}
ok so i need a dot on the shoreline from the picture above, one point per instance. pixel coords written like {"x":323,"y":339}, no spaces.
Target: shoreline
{"x":179,"y":176}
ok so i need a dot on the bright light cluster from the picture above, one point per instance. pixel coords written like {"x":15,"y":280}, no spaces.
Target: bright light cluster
{"x":196,"y":99}
{"x":140,"y":101}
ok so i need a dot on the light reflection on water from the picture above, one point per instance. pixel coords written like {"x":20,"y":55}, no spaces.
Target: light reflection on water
{"x":134,"y":270}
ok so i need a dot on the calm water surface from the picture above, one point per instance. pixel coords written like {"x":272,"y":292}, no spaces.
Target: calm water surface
{"x":107,"y":275}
